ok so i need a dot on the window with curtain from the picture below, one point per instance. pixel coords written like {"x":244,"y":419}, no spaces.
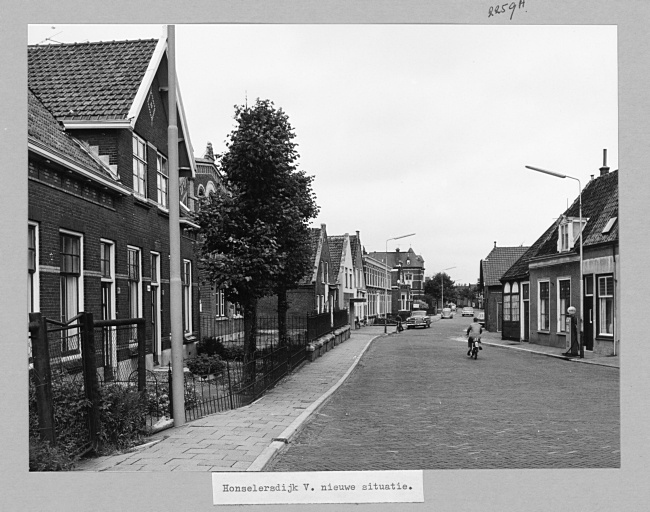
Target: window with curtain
{"x":563,"y":303}
{"x":544,"y":305}
{"x":69,"y":288}
{"x":606,"y":305}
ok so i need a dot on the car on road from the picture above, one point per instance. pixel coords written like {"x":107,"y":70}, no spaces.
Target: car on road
{"x":481,"y":318}
{"x":452,"y":306}
{"x":418,"y":319}
{"x":467,"y":311}
{"x":446,"y":313}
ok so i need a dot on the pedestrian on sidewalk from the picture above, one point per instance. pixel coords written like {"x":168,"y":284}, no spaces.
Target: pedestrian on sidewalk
{"x":399,"y":324}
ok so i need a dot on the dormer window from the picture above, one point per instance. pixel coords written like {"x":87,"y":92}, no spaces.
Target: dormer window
{"x":569,"y":233}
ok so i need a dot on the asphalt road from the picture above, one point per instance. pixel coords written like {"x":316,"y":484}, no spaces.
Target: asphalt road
{"x":416,"y":401}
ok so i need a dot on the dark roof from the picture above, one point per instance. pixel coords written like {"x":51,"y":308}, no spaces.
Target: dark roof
{"x":315,"y":235}
{"x":89,"y":81}
{"x":599,"y":205}
{"x":45,"y":131}
{"x":336,"y":252}
{"x":394,"y":258}
{"x":497,"y":262}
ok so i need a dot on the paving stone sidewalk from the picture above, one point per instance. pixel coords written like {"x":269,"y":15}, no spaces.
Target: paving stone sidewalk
{"x":246,"y":439}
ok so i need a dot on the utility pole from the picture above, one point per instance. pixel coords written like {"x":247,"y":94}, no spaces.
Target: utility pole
{"x":175,"y":285}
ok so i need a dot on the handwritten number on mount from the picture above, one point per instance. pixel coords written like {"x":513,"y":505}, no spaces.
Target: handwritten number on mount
{"x":500,"y":9}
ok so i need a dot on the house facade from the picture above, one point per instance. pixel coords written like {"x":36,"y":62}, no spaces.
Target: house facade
{"x":375,"y":276}
{"x":317,"y":291}
{"x":406,"y":278}
{"x":347,"y":267}
{"x":491,"y":269}
{"x":545,"y":282}
{"x":98,"y":188}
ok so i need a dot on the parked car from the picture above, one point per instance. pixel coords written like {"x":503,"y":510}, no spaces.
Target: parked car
{"x":418,"y":319}
{"x":446,"y":313}
{"x":481,"y":318}
{"x":467,"y":311}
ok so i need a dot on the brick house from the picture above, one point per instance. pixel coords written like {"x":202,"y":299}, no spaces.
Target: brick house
{"x":406,"y":278}
{"x":545,"y":281}
{"x":376,"y":285}
{"x":98,"y":188}
{"x":347,"y":268}
{"x":492,"y":268}
{"x":316,"y":292}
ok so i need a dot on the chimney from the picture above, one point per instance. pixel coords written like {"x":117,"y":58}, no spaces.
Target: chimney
{"x":604,"y":169}
{"x":397,"y":250}
{"x":495,"y":244}
{"x":209,"y":152}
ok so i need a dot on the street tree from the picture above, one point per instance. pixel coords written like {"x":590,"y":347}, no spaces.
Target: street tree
{"x":251,"y":228}
{"x":434,"y":288}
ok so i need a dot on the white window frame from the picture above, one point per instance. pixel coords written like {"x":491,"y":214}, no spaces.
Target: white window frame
{"x":603,"y":299}
{"x":111,"y":279}
{"x":220,"y":303}
{"x":139,"y":166}
{"x":138,"y":288}
{"x":162,"y":181}
{"x":34,"y":281}
{"x":80,"y":289}
{"x":539,"y":305}
{"x":561,"y":315}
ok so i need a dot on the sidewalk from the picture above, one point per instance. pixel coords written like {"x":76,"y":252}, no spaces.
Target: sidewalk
{"x":246,"y":439}
{"x":493,"y":339}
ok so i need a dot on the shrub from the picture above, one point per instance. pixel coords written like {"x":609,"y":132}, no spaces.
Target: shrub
{"x":205,"y":365}
{"x":122,"y":416}
{"x":210,"y":346}
{"x":43,"y":457}
{"x":234,"y":353}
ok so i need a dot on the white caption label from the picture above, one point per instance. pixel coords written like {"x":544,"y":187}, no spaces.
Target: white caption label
{"x":318,"y":487}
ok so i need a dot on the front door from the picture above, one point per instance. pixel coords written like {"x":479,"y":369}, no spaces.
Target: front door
{"x":589,"y":323}
{"x":526,"y":333}
{"x":499,"y":315}
{"x":588,"y":318}
{"x":155,"y":338}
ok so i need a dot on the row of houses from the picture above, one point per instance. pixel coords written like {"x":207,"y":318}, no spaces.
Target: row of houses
{"x":528,"y":290}
{"x":345,"y":276}
{"x":98,"y":188}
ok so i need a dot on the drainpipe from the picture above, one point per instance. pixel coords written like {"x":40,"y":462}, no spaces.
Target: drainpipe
{"x":615,"y":295}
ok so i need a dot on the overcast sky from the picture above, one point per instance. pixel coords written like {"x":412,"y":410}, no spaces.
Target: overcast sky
{"x":420,"y":129}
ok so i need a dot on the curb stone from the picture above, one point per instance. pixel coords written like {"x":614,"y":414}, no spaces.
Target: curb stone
{"x":285,"y":437}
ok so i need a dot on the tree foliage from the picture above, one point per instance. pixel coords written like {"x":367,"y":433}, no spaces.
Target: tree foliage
{"x":255,"y":235}
{"x":434,"y":288}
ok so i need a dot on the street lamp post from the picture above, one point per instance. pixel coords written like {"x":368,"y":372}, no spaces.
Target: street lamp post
{"x":580,"y":311}
{"x":442,"y":289}
{"x":386,"y":282}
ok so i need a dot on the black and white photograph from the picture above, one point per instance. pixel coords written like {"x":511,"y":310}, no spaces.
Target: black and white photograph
{"x":263,"y":251}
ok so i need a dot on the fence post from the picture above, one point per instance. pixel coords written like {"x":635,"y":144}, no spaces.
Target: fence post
{"x":142,"y":350}
{"x":42,"y":374}
{"x":91,"y":383}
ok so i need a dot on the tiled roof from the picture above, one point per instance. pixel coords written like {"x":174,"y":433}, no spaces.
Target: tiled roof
{"x":89,"y":81}
{"x":314,"y":242}
{"x":393,"y":258}
{"x":599,"y":205}
{"x":498,"y":262}
{"x":336,"y":252}
{"x":47,"y":132}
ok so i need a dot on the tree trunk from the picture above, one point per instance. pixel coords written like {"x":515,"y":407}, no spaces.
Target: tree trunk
{"x":250,"y":341}
{"x":283,"y":307}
